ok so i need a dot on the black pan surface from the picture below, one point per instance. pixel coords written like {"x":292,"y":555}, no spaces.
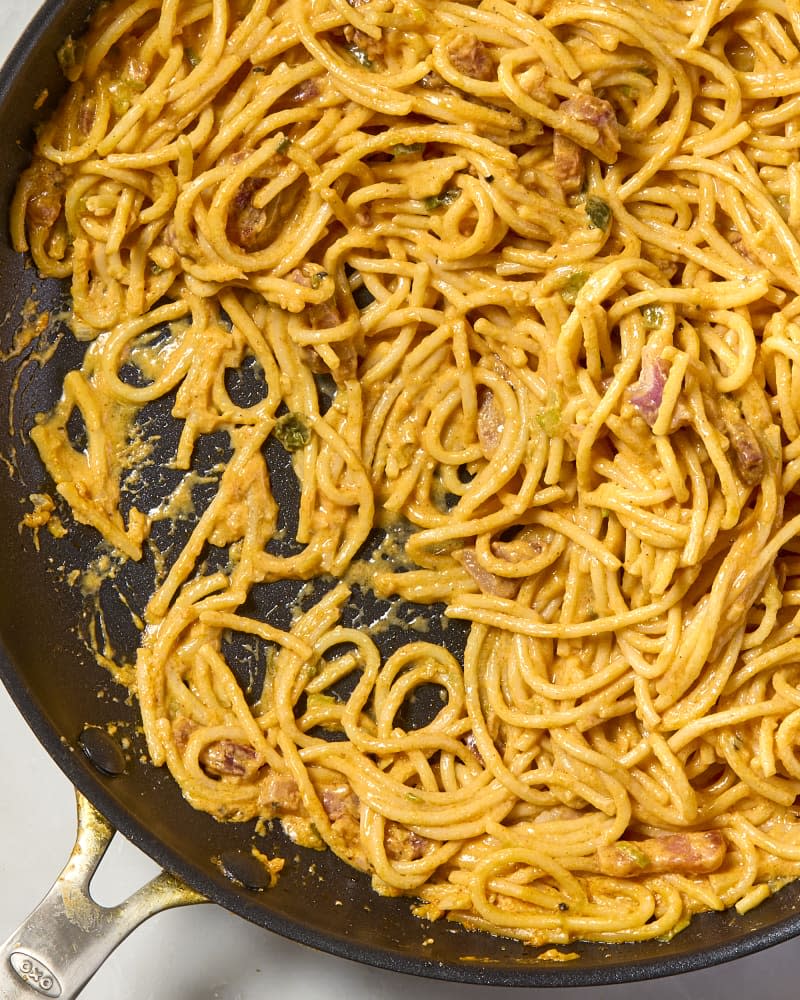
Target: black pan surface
{"x":54,"y":679}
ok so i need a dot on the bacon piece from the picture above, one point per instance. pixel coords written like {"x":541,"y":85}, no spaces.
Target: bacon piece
{"x":339,"y":801}
{"x":526,"y":545}
{"x":471,"y":744}
{"x":228,"y":759}
{"x":403,"y":844}
{"x":471,"y":57}
{"x":490,"y":422}
{"x":490,"y":416}
{"x":279,"y":793}
{"x":568,"y":166}
{"x":489,"y":583}
{"x":182,"y":729}
{"x":747,"y":454}
{"x":308,"y":90}
{"x":45,"y":208}
{"x":647,"y":393}
{"x":344,"y":811}
{"x":47,"y":180}
{"x":86,"y":116}
{"x":325,"y":315}
{"x":246,"y":223}
{"x":687,"y":853}
{"x":594,"y":111}
{"x":301,"y":278}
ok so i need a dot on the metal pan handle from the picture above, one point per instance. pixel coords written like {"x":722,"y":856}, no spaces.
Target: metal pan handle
{"x":65,"y":940}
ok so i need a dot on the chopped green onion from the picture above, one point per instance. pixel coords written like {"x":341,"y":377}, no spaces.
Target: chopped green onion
{"x":741,"y":56}
{"x":633,"y":853}
{"x":283,"y":146}
{"x":120,"y":103}
{"x":407,"y":149}
{"x":192,"y":56}
{"x":574,"y":283}
{"x":259,"y":69}
{"x":598,"y":211}
{"x":122,"y":94}
{"x":653,"y":316}
{"x":360,"y":56}
{"x":438,"y":200}
{"x":318,"y":278}
{"x":70,"y":57}
{"x":549,"y":418}
{"x":292,"y":432}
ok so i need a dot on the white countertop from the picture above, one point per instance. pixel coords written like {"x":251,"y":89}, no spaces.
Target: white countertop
{"x":205,"y":953}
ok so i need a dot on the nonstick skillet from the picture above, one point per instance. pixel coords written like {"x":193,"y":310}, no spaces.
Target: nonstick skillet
{"x":89,"y":726}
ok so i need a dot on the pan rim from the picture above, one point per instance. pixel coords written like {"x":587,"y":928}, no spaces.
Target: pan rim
{"x":617,"y":970}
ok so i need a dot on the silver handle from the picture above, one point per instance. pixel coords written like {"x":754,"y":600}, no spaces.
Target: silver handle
{"x":65,"y":940}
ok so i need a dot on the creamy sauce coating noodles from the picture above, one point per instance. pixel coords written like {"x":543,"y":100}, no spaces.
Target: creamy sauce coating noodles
{"x":545,"y":258}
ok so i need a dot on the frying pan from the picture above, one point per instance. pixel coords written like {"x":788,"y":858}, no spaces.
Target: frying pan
{"x":70,"y":702}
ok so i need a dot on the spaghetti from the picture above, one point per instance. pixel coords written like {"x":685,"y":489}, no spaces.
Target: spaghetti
{"x":544,"y":258}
